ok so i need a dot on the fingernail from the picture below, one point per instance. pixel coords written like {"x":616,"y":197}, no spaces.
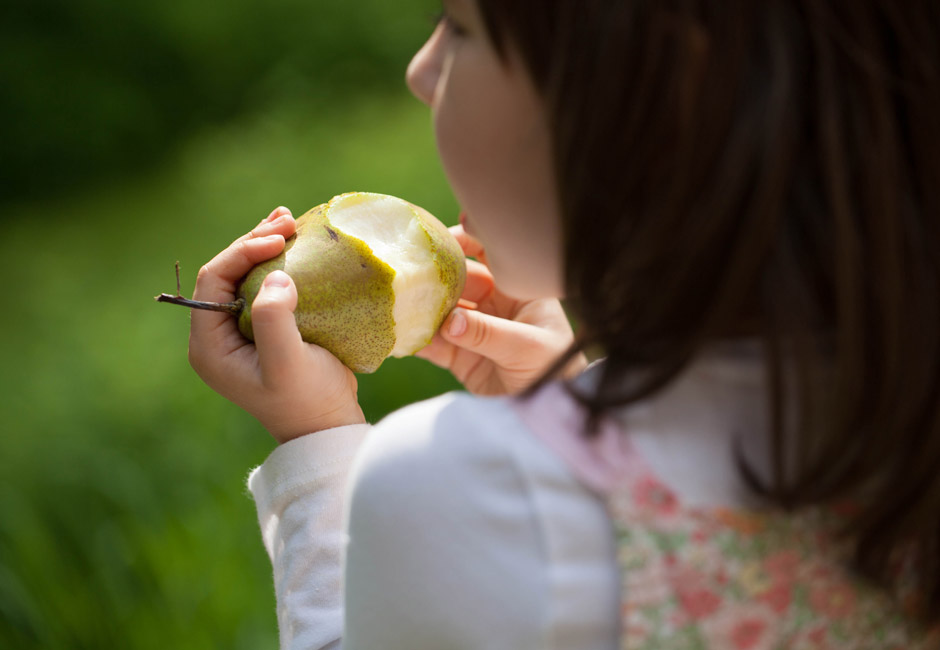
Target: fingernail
{"x":276,"y":280}
{"x":458,"y":323}
{"x":278,"y":213}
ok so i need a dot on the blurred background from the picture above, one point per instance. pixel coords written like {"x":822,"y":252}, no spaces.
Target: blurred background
{"x":135,"y":134}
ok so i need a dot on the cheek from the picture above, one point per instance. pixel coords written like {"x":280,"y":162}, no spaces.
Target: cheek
{"x":467,"y":140}
{"x":455,"y":151}
{"x":495,"y":153}
{"x":485,"y":142}
{"x":474,"y":116}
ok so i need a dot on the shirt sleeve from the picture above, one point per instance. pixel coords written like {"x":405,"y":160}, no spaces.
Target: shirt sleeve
{"x":299,"y":493}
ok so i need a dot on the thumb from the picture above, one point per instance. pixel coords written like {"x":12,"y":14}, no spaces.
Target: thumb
{"x":275,"y":330}
{"x":505,"y":342}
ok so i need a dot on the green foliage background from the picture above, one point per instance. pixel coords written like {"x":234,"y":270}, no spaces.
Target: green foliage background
{"x":137,"y":134}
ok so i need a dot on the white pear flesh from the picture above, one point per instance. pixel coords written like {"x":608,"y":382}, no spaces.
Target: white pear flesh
{"x":395,"y":232}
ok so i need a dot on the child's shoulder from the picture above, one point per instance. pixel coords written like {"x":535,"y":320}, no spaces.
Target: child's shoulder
{"x":437,"y":415}
{"x":453,"y":428}
{"x":445,"y":444}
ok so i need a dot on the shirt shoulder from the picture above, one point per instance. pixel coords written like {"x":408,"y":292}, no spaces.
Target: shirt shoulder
{"x":452,"y":462}
{"x":433,"y":435}
{"x":462,"y":452}
{"x":454,"y":496}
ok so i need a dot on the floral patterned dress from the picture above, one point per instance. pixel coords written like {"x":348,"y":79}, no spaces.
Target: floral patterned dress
{"x":696,"y":578}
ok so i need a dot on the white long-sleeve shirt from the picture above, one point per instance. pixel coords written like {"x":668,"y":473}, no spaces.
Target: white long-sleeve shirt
{"x":449,"y":525}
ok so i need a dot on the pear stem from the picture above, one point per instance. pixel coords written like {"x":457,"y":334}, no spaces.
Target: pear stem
{"x":234,"y":308}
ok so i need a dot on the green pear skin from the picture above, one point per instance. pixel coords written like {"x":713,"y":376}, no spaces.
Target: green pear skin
{"x":345,"y":297}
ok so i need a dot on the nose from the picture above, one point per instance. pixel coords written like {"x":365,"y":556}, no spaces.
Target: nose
{"x":424,"y":71}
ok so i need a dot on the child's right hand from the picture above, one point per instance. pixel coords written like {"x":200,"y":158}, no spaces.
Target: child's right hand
{"x":291,"y":387}
{"x":504,"y":345}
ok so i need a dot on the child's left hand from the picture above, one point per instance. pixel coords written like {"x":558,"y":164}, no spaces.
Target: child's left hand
{"x":291,"y":387}
{"x":505,"y":344}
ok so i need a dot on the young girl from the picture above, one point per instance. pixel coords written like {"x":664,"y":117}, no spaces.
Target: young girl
{"x":741,"y":201}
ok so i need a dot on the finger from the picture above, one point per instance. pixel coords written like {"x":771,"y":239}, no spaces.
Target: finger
{"x":505,"y":342}
{"x":480,"y":283}
{"x":277,"y":339}
{"x":277,"y":212}
{"x":280,"y":221}
{"x":438,"y":351}
{"x":216,"y":280}
{"x":470,"y":245}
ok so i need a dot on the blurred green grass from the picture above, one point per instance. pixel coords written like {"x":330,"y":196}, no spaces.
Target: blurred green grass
{"x":124,"y":520}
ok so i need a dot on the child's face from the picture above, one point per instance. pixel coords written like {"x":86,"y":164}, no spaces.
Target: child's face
{"x":494,"y":143}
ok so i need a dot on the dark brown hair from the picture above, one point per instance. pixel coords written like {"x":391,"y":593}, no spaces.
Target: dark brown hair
{"x":770,"y":169}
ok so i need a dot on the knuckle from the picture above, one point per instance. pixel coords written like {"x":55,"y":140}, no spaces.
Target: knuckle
{"x":203,"y":274}
{"x":243,"y":248}
{"x":262,"y":310}
{"x":481,"y":334}
{"x":265,"y":310}
{"x":263,"y":315}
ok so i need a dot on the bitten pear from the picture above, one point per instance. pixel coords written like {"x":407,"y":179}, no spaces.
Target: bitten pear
{"x":375,"y":277}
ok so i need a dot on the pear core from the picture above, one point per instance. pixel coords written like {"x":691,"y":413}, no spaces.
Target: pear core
{"x":375,"y":277}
